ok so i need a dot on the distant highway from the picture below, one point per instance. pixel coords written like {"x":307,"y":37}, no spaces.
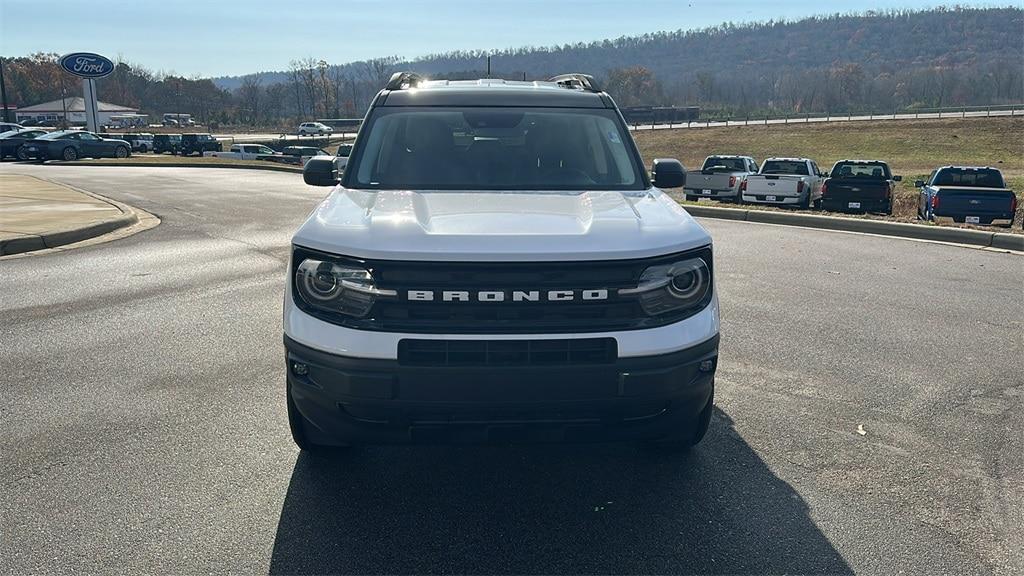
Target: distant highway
{"x":808,"y":120}
{"x":261,"y":137}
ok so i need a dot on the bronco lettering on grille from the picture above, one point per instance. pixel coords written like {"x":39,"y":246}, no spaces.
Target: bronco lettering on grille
{"x":506,"y":295}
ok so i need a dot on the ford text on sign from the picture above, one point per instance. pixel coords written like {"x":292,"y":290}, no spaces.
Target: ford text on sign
{"x":87,"y":65}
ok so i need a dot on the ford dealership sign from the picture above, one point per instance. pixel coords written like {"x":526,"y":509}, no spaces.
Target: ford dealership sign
{"x":87,"y":65}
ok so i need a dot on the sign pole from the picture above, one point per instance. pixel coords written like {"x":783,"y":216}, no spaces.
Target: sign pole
{"x":91,"y":117}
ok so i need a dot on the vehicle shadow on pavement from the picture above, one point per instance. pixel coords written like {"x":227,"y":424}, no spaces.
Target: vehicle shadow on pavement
{"x":619,"y":508}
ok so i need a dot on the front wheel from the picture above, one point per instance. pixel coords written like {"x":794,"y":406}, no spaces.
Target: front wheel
{"x":21,"y":153}
{"x":69,"y":154}
{"x":121,"y":152}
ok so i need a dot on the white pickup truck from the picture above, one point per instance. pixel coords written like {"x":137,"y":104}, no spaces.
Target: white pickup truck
{"x":786,"y":181}
{"x":721,"y":177}
{"x":245,"y":152}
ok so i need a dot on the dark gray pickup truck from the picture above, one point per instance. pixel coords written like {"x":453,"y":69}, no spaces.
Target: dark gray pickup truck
{"x":859,"y":186}
{"x":967,"y":195}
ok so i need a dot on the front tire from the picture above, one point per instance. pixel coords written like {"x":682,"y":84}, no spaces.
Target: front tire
{"x":21,"y":153}
{"x":69,"y":154}
{"x":120,"y":152}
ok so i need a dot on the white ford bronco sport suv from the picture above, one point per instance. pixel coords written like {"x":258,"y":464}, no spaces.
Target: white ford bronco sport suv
{"x":495,"y":265}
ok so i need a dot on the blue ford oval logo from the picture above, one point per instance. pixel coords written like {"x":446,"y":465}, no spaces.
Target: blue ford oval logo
{"x":87,"y":65}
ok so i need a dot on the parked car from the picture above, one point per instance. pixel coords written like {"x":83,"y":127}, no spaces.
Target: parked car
{"x":75,"y":144}
{"x":307,"y":128}
{"x":859,"y":186}
{"x":786,"y":181}
{"x":163,"y":143}
{"x":721,"y":178}
{"x":198,"y":144}
{"x":142,"y":142}
{"x":12,"y":143}
{"x":300,"y":154}
{"x":967,"y":195}
{"x":9,"y":127}
{"x":244,"y":152}
{"x":328,"y":164}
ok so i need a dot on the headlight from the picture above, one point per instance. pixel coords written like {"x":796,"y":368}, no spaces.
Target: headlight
{"x":337,"y":288}
{"x":671,"y":287}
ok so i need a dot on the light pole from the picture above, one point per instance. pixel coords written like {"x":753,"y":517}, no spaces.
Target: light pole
{"x":3,"y":94}
{"x":322,"y":67}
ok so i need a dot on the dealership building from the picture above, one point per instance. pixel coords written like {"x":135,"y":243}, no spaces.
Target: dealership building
{"x":74,"y":109}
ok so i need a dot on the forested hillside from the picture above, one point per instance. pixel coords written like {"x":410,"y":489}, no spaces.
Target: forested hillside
{"x":838,"y":63}
{"x":841,"y":63}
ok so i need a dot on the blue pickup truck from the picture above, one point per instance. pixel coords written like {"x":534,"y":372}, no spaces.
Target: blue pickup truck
{"x":967,"y":195}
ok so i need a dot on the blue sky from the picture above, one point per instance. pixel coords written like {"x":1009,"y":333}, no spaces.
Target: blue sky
{"x":221,"y":37}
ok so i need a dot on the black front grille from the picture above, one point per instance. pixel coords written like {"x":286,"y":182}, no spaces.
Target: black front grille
{"x":400,"y":314}
{"x":562,"y":352}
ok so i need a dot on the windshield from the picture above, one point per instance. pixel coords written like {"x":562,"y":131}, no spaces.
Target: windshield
{"x":716,"y":164}
{"x":981,"y":177}
{"x":784,"y":167}
{"x":847,"y":170}
{"x":412,"y":148}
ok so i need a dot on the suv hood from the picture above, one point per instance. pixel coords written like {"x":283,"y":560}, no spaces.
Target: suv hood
{"x":500,"y":226}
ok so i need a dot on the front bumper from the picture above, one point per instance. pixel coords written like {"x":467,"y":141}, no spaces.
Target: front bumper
{"x":357,"y":400}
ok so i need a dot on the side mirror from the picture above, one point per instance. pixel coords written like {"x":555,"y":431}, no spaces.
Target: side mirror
{"x":668,"y":173}
{"x":897,"y":178}
{"x":320,"y":171}
{"x":919,"y":183}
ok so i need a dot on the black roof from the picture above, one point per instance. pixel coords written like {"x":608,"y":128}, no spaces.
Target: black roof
{"x":494,"y":92}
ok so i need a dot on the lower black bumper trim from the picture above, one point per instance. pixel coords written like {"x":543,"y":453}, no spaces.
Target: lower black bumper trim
{"x":354,"y":400}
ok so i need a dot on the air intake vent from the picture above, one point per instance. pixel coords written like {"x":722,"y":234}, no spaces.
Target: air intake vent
{"x":562,"y":352}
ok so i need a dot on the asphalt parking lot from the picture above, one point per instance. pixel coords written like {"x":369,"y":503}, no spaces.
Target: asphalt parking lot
{"x":869,"y":416}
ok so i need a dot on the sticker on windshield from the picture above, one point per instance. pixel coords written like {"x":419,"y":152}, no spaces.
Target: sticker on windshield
{"x":613,"y":137}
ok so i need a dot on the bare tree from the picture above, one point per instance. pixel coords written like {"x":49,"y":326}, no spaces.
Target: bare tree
{"x":378,"y":70}
{"x":249,"y":97}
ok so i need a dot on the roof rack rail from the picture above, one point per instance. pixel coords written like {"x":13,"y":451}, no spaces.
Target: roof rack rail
{"x":577,"y":81}
{"x":404,"y":80}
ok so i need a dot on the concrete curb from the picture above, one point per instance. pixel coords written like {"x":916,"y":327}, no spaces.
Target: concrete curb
{"x":64,"y":236}
{"x":900,"y":229}
{"x":269,"y":167}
